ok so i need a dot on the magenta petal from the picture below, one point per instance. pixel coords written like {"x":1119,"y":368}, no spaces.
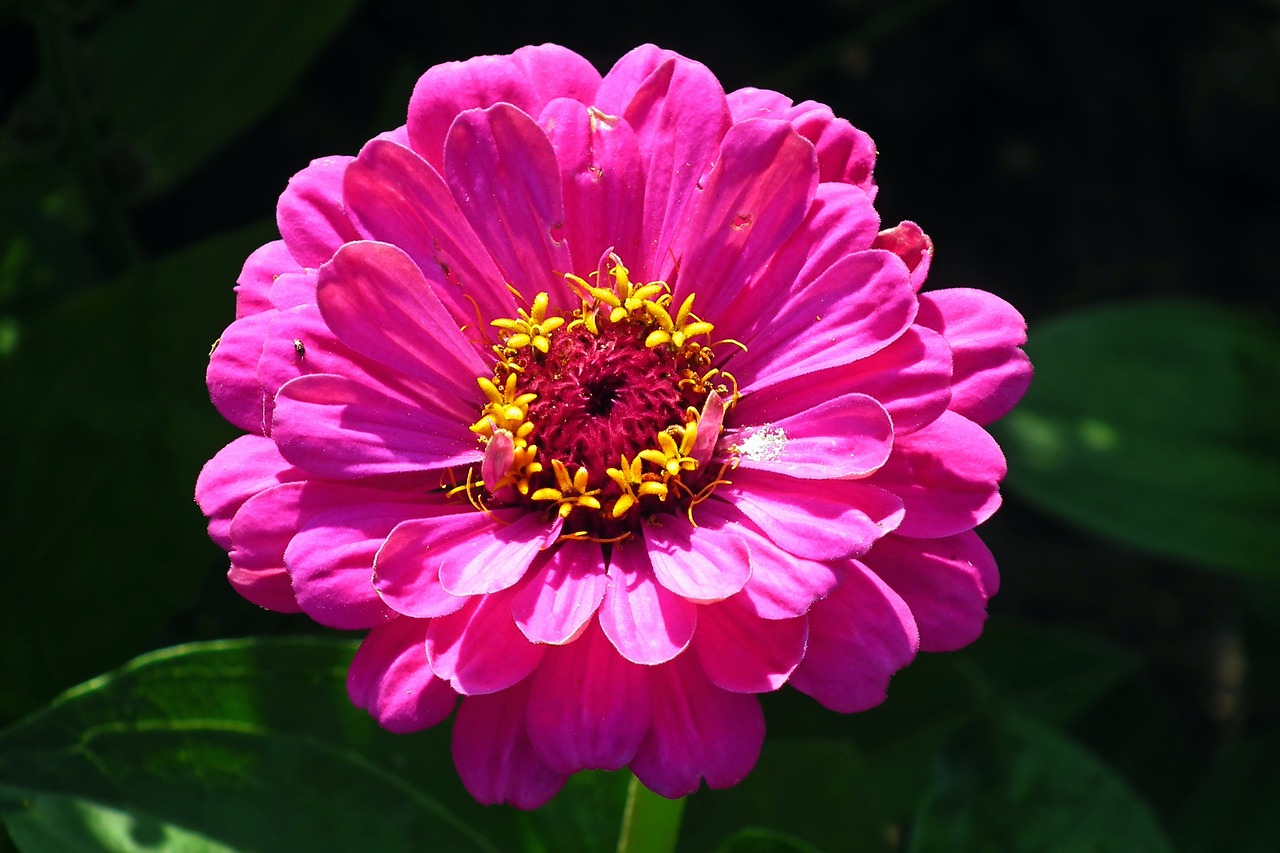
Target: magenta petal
{"x":706,"y":563}
{"x":855,"y":308}
{"x":817,"y":519}
{"x":588,"y":706}
{"x":268,"y":587}
{"x":390,"y":679}
{"x":260,"y":532}
{"x":528,"y":78}
{"x":600,"y":175}
{"x":783,"y":585}
{"x":859,"y":636}
{"x":479,"y":556}
{"x":756,"y":194}
{"x":310,"y":213}
{"x":947,"y":476}
{"x":502,"y":171}
{"x":698,"y":732}
{"x":909,"y":242}
{"x":253,"y":287}
{"x":561,"y":592}
{"x":246,"y":466}
{"x":744,"y":653}
{"x":232,"y":375}
{"x":479,"y":649}
{"x":985,"y":333}
{"x":398,"y":198}
{"x":493,"y":753}
{"x":331,"y":557}
{"x":678,"y":111}
{"x":646,"y":623}
{"x":946,"y":583}
{"x":377,"y":302}
{"x":408,"y":566}
{"x":335,"y":427}
{"x":846,"y":437}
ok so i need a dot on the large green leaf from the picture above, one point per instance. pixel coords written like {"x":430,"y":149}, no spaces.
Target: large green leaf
{"x":107,"y":424}
{"x":1235,"y":807}
{"x":178,"y":80}
{"x":242,"y":745}
{"x":1155,"y":425}
{"x":1013,"y":785}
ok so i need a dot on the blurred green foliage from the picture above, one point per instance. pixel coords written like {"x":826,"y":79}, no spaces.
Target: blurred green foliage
{"x":1116,"y":181}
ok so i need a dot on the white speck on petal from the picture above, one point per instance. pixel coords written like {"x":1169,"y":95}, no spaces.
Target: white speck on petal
{"x":764,"y":445}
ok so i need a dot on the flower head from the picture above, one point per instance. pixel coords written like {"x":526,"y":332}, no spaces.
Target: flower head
{"x":605,"y":403}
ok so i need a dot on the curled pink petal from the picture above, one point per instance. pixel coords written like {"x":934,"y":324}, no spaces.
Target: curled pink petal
{"x":390,"y":679}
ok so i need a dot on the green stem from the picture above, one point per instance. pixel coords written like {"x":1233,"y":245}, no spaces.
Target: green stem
{"x":650,"y":822}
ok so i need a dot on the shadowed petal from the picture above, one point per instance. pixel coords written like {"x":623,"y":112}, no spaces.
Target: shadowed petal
{"x":744,"y":653}
{"x":588,"y":706}
{"x":232,"y":375}
{"x":246,"y":466}
{"x":698,"y":732}
{"x":783,"y":585}
{"x":859,"y":636}
{"x":390,"y":679}
{"x":946,"y":582}
{"x":493,"y":753}
{"x":261,"y":268}
{"x":479,"y":649}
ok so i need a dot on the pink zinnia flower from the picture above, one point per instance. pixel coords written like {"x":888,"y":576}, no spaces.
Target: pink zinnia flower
{"x":606,"y":404}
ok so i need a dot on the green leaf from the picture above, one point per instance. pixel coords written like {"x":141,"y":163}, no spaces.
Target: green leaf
{"x":810,"y":791}
{"x":1154,"y":425}
{"x":1014,"y":785}
{"x":764,"y":841}
{"x":583,"y":818}
{"x":241,"y":745}
{"x":180,"y":79}
{"x":100,"y":454}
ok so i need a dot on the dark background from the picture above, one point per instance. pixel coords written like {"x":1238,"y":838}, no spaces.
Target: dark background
{"x":1064,"y":156}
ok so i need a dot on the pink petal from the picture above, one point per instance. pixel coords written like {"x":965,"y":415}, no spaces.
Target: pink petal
{"x":260,"y":532}
{"x":390,"y":679}
{"x":859,"y":636}
{"x":459,"y":541}
{"x":846,"y":437}
{"x":646,"y":623}
{"x":754,"y":197}
{"x":398,"y":198}
{"x":744,"y":653}
{"x":331,"y":557}
{"x":588,"y":706}
{"x":502,"y":171}
{"x":946,"y":476}
{"x":845,"y":153}
{"x":909,"y":242}
{"x":232,"y":375}
{"x":841,"y":221}
{"x":495,"y":759}
{"x":310,"y":213}
{"x":699,"y":732}
{"x":291,"y":289}
{"x":266,"y":586}
{"x":704,"y":563}
{"x":560,"y":593}
{"x":910,"y":378}
{"x":335,"y":427}
{"x":783,"y":585}
{"x":855,"y":308}
{"x":820,"y":520}
{"x":258,"y":275}
{"x":528,"y":79}
{"x":237,"y":472}
{"x":985,"y":333}
{"x":479,"y":649}
{"x":678,"y":111}
{"x":377,"y":302}
{"x":946,"y":583}
{"x":600,"y":176}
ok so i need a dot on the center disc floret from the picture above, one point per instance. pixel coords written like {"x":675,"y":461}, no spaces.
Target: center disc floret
{"x":595,"y":413}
